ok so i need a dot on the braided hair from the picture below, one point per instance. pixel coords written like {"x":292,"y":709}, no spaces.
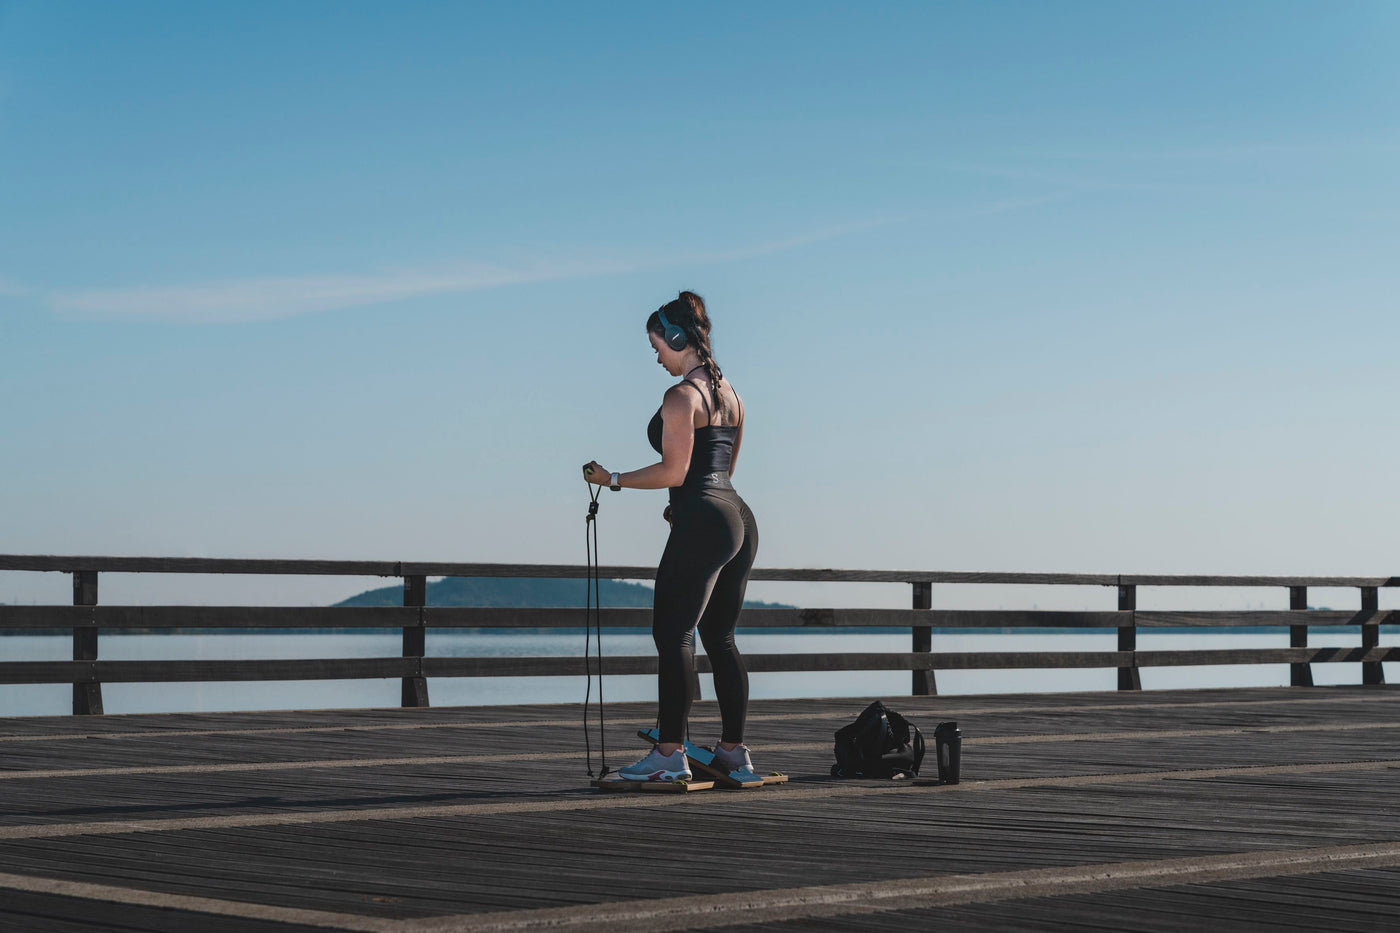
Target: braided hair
{"x":687,"y":312}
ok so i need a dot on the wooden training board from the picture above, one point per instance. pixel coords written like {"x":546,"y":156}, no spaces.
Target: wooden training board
{"x":620,"y":786}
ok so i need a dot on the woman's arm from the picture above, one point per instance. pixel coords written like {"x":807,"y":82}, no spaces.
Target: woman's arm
{"x":677,"y":441}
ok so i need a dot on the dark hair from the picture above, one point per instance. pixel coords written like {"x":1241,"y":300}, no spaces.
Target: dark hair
{"x":687,"y":312}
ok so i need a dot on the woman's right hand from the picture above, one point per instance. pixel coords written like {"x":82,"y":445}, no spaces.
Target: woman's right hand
{"x":594,"y":473}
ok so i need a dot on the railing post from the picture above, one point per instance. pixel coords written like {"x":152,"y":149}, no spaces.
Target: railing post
{"x":87,"y":697}
{"x":1371,"y":671}
{"x":925,"y":684}
{"x":1128,"y":677}
{"x":415,"y":638}
{"x":1300,"y":673}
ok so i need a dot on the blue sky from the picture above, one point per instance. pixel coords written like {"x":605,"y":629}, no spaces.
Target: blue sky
{"x":1015,"y":286}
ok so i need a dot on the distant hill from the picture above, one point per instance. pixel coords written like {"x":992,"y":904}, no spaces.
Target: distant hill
{"x":524,"y":591}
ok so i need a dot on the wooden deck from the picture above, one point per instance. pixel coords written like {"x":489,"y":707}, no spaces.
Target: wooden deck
{"x":1169,"y":810}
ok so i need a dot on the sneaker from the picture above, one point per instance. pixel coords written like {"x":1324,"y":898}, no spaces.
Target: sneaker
{"x":732,"y":760}
{"x":658,"y":767}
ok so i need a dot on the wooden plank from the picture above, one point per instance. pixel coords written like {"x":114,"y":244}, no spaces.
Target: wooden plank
{"x":100,"y":564}
{"x":157,"y":617}
{"x":47,"y":617}
{"x":87,"y":697}
{"x":66,"y":564}
{"x":1232,"y":618}
{"x":1003,"y":618}
{"x":924,"y":682}
{"x":414,"y":690}
{"x":537,"y":666}
{"x":328,"y":617}
{"x":167,"y":617}
{"x":789,"y":574}
{"x":1128,"y":676}
{"x":57,"y":672}
{"x":31,"y":672}
{"x":530,"y":617}
{"x":619,"y":786}
{"x":47,"y":672}
{"x":1266,"y":656}
{"x":547,"y":571}
{"x":85,"y":588}
{"x":774,"y":663}
{"x":1299,"y":675}
{"x":277,"y":669}
{"x":464,"y":617}
{"x":954,"y":660}
{"x":1372,"y":674}
{"x":1028,"y":660}
{"x":912,"y":576}
{"x":1175,"y":579}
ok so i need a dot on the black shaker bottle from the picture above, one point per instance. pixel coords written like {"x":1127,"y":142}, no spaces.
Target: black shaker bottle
{"x":947,"y":741}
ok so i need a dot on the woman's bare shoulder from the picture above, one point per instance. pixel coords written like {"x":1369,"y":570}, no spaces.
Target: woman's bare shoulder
{"x":684,"y":394}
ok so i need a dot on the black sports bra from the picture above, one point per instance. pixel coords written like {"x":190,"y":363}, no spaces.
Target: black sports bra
{"x":714,"y":443}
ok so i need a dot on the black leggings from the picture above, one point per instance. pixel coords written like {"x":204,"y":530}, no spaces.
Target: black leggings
{"x":701,"y":581}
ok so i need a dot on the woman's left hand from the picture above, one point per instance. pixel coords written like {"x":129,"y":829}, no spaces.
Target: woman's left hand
{"x":596,"y":474}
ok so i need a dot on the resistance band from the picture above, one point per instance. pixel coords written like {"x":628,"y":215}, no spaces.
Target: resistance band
{"x":593,"y":629}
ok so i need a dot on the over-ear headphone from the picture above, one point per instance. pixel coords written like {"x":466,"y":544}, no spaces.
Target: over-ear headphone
{"x":674,"y":336}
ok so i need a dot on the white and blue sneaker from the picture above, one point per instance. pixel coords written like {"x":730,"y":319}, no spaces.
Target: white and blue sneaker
{"x":735,"y":760}
{"x":658,"y":767}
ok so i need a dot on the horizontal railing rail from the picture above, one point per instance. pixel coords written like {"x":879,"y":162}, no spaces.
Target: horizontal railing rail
{"x":374,"y":568}
{"x":393,"y":617}
{"x":86,"y":619}
{"x":97,"y":672}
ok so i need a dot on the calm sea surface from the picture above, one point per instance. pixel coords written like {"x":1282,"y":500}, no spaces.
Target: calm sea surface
{"x":51,"y":699}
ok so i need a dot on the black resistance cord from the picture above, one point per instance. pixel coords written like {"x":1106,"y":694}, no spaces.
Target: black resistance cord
{"x":593,"y":630}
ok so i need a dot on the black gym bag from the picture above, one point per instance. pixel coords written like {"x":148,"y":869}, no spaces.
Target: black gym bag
{"x":879,"y":744}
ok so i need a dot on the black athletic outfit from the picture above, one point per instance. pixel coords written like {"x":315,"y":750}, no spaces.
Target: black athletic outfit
{"x":701,"y":581}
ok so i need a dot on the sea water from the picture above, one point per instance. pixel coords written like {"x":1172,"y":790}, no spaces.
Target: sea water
{"x":55,"y":699}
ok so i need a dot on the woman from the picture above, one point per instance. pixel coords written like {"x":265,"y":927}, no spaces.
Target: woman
{"x":705,"y":567}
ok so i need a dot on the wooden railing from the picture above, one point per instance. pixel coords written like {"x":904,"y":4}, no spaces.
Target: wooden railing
{"x":86,"y":618}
